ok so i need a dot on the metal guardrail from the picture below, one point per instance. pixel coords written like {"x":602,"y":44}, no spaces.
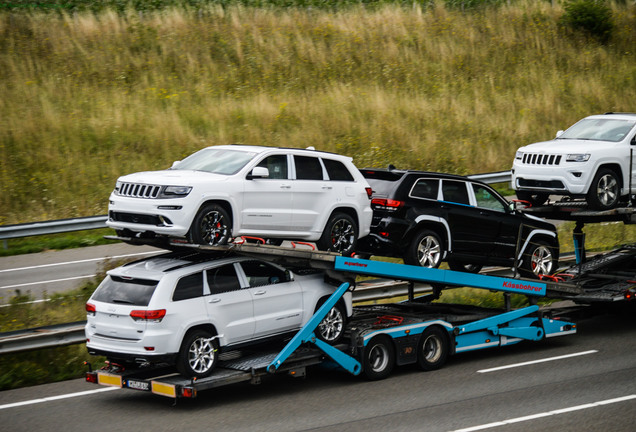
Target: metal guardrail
{"x":73,"y":333}
{"x":97,"y":222}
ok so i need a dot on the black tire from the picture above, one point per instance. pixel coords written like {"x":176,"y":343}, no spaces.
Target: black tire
{"x":605,"y":190}
{"x":340,"y":234}
{"x":379,"y":358}
{"x":332,"y":327}
{"x":538,"y":259}
{"x":463,"y":267}
{"x":212,"y":226}
{"x":432,"y":350}
{"x":536,"y":199}
{"x":426,"y":250}
{"x":198,"y":354}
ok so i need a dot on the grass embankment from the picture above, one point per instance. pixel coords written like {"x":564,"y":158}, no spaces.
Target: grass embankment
{"x":87,"y":98}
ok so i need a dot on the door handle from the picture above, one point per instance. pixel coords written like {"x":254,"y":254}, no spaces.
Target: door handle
{"x":214,"y":300}
{"x":327,"y":187}
{"x":259,"y":292}
{"x":285,"y":186}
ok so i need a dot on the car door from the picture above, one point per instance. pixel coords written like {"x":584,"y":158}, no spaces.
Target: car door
{"x":504,"y":225}
{"x":267,"y":201}
{"x":312,"y":194}
{"x":472,"y":229}
{"x":278,"y":300}
{"x":229,"y":305}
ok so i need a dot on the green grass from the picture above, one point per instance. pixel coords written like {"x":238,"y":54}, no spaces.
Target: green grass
{"x":89,"y":97}
{"x":61,"y":241}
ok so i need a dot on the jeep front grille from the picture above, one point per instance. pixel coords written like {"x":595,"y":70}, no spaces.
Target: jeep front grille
{"x":541,"y":159}
{"x":136,"y":190}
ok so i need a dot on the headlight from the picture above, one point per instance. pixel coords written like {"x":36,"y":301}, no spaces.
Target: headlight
{"x":176,"y":191}
{"x":519,"y":155}
{"x":578,"y":157}
{"x":117,"y":186}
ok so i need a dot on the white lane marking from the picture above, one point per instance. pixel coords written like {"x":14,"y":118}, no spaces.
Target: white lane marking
{"x":48,"y":281}
{"x":54,"y":398}
{"x":82,"y":261}
{"x":547,"y":414}
{"x":537,"y":361}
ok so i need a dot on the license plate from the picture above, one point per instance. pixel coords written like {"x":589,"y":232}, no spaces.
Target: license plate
{"x":138,"y":385}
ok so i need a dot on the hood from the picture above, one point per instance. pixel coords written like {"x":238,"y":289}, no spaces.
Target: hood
{"x":172,"y":177}
{"x":566,"y":146}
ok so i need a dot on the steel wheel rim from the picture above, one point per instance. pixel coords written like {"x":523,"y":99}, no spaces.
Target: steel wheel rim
{"x":607,"y":190}
{"x":432,"y":349}
{"x":342,"y":235}
{"x":541,"y":260}
{"x":201,"y":355}
{"x":214,"y":228}
{"x":331,"y":326}
{"x":429,"y":252}
{"x":378,"y":358}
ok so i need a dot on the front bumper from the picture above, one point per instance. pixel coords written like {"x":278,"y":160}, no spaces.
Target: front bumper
{"x":162,"y":216}
{"x":572,"y":179}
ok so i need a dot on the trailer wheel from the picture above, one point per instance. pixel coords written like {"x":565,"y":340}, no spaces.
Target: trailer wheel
{"x":332,"y":327}
{"x":432,"y":350}
{"x":379,"y":358}
{"x":198,"y":354}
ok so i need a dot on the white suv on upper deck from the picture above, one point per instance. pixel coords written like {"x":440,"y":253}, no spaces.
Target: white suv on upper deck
{"x":594,"y":159}
{"x":222,"y":192}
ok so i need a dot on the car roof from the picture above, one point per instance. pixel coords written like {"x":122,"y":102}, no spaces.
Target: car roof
{"x":157,"y":266}
{"x":625,"y":115}
{"x":263,"y":149}
{"x":394,"y":174}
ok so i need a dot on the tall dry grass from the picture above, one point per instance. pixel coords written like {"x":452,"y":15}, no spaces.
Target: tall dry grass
{"x":85,"y":98}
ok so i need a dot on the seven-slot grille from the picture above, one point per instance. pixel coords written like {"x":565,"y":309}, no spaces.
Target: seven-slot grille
{"x":137,"y":190}
{"x":541,"y":159}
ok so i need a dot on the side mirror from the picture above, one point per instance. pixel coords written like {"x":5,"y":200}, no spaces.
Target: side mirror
{"x":258,"y":172}
{"x":174,"y":164}
{"x":559,"y":133}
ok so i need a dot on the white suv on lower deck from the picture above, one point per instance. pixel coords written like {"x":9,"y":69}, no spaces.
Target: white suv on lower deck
{"x":593,"y":159}
{"x":222,"y":192}
{"x":184,"y":308}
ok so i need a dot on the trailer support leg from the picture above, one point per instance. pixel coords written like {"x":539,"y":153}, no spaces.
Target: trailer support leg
{"x":579,"y":242}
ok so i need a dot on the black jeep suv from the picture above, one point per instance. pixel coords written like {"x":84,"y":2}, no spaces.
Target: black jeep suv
{"x":427,"y":218}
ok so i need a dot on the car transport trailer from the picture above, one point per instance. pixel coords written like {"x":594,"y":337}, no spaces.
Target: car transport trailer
{"x":379,"y":337}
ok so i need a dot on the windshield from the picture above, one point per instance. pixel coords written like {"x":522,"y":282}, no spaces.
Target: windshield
{"x":613,"y":130}
{"x":217,"y":161}
{"x":136,"y":292}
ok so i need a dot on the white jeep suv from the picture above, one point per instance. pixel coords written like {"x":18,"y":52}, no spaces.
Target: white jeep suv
{"x":185,"y":308}
{"x":228,"y":191}
{"x":593,"y":159}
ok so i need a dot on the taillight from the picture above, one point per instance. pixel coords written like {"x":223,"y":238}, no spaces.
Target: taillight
{"x":90,"y":309}
{"x":148,"y":315}
{"x":386,"y":204}
{"x":369,"y":192}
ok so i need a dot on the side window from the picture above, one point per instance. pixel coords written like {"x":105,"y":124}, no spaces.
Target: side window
{"x":308,"y":168}
{"x":277,"y":166}
{"x":425,"y":188}
{"x":259,"y":273}
{"x":455,"y":191}
{"x":223,"y":279}
{"x":188,"y":287}
{"x":337,"y":171}
{"x":485,"y":199}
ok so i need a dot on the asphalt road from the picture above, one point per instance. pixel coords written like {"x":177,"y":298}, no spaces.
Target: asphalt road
{"x":45,"y":273}
{"x":583,"y":382}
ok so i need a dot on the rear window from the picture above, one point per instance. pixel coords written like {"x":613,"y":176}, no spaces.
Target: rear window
{"x":117,"y":290}
{"x":382,"y":182}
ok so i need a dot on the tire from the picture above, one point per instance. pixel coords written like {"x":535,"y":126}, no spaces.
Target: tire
{"x":535,"y":199}
{"x":462,"y":267}
{"x":426,"y":250}
{"x":379,"y":358}
{"x":432,"y":350}
{"x":340,"y":234}
{"x":332,"y":327}
{"x":605,"y":190}
{"x":539,"y":259}
{"x":198,"y":354}
{"x":212,"y":226}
